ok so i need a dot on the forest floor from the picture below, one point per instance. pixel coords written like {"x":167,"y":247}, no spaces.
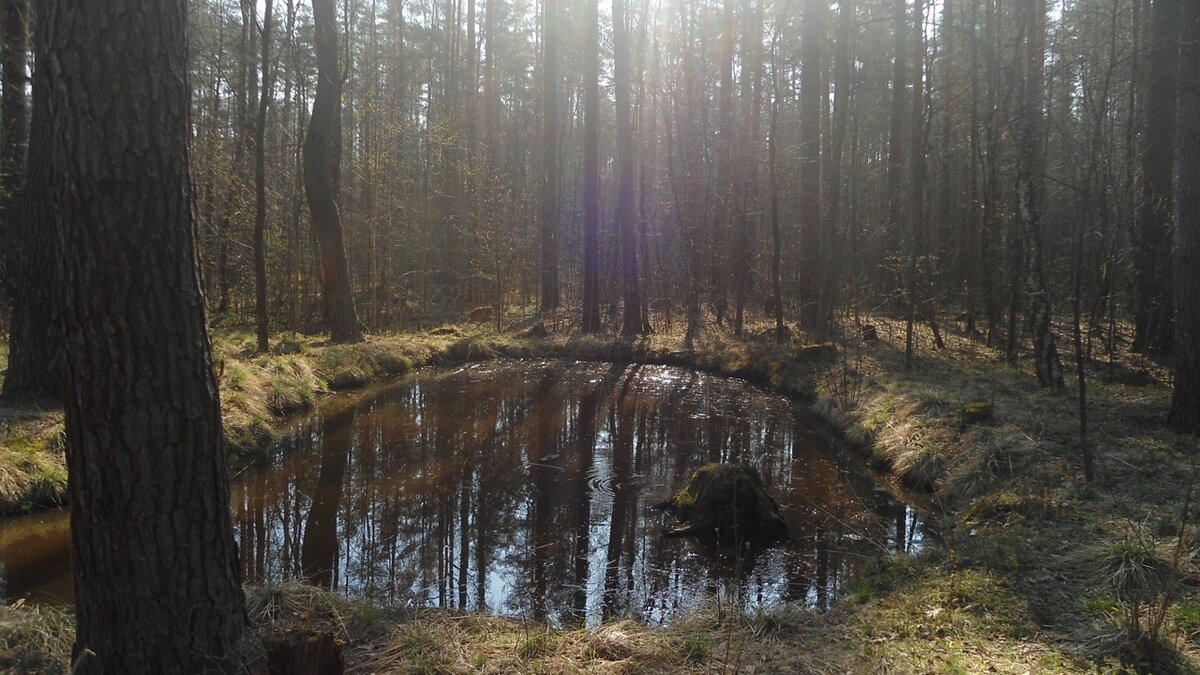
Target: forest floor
{"x":1028,"y":570}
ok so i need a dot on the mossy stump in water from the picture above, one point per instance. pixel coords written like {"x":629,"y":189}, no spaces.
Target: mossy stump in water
{"x":728,"y":502}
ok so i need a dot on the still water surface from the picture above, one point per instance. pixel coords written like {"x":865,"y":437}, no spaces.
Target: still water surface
{"x":524,"y":489}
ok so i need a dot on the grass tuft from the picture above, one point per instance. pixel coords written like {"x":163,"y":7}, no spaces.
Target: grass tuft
{"x":35,"y":638}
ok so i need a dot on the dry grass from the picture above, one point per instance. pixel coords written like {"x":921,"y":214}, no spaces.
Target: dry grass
{"x":444,"y":642}
{"x":259,"y":391}
{"x":1020,"y":578}
{"x":380,"y":639}
{"x":1008,"y":499}
{"x":35,"y":639}
{"x":33,"y":465}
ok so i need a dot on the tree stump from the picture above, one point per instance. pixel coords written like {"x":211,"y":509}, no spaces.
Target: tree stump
{"x":728,"y":502}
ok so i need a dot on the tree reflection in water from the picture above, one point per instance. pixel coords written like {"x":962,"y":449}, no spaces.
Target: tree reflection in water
{"x":523,"y":489}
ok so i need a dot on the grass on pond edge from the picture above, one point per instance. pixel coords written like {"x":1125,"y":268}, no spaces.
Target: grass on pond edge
{"x":1021,"y":579}
{"x":260,"y":391}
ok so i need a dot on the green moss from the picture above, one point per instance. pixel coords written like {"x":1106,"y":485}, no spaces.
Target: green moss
{"x":1003,"y":505}
{"x":1186,"y":615}
{"x":685,"y":499}
{"x":976,"y":412}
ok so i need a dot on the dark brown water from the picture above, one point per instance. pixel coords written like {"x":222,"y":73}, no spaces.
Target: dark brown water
{"x":524,"y":489}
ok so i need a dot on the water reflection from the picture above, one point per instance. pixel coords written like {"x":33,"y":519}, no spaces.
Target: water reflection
{"x":524,"y":489}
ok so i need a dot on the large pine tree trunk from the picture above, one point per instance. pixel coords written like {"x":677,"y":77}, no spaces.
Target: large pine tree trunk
{"x":13,"y":60}
{"x":727,"y":172}
{"x":892,"y":196}
{"x":916,"y":228}
{"x":35,"y":359}
{"x":591,"y":173}
{"x":812,"y":310}
{"x":1152,"y":242}
{"x":246,"y":85}
{"x":549,"y":204}
{"x":746,"y":236}
{"x":773,"y":189}
{"x":322,"y":177}
{"x":846,"y":24}
{"x":260,"y":186}
{"x":1185,"y":403}
{"x":1030,"y":188}
{"x":157,"y":587}
{"x":634,"y":319}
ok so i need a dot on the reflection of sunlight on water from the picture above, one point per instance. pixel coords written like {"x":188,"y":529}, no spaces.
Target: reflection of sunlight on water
{"x":524,"y":488}
{"x":658,"y":378}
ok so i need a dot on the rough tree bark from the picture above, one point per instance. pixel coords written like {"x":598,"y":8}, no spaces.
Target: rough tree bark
{"x":157,"y":587}
{"x":1185,"y":401}
{"x":35,"y":359}
{"x":322,"y":177}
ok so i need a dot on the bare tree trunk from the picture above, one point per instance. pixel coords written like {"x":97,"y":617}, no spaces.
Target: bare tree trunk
{"x":1030,"y":188}
{"x":13,"y":60}
{"x":247,"y":84}
{"x":260,"y":185}
{"x":811,"y":308}
{"x":634,"y":319}
{"x":990,"y":172}
{"x":591,"y":173}
{"x":1185,"y":401}
{"x":1152,"y":242}
{"x":916,"y":228}
{"x":751,"y":144}
{"x":549,"y":225}
{"x":893,"y":200}
{"x":773,"y":168}
{"x":35,"y":359}
{"x":1089,"y":472}
{"x":726,"y":169}
{"x":322,"y":178}
{"x":157,"y":585}
{"x":846,"y":24}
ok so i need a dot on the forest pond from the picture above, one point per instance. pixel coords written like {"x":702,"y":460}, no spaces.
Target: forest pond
{"x":524,"y":488}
